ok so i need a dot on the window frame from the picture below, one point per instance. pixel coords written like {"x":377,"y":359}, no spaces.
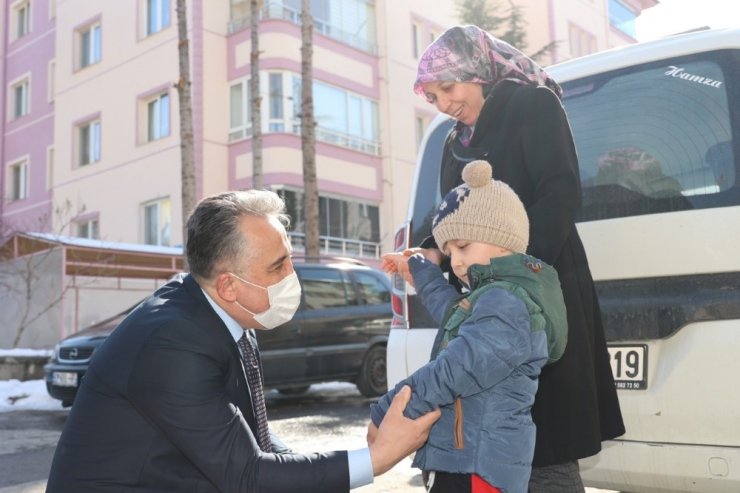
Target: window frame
{"x":50,"y":158}
{"x":244,"y":130}
{"x":93,"y":55}
{"x":417,"y":36}
{"x":164,"y":12}
{"x":18,"y":190}
{"x":157,"y":121}
{"x":276,"y":113}
{"x":584,"y":37}
{"x":16,"y":9}
{"x":24,"y":84}
{"x":91,"y":223}
{"x":51,"y":80}
{"x":89,"y":128}
{"x":162,"y":239}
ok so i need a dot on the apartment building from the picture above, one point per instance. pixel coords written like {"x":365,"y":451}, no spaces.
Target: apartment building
{"x":27,"y":73}
{"x":89,"y":139}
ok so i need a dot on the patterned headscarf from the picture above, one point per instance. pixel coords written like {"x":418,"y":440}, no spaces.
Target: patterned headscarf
{"x":470,"y":54}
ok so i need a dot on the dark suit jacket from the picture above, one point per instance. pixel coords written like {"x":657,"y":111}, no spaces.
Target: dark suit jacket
{"x":164,"y":406}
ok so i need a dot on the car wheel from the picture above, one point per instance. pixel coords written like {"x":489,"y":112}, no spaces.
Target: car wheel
{"x":293,"y":390}
{"x":373,"y":381}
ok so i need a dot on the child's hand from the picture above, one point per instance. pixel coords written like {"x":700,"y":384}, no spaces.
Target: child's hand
{"x":398,"y":263}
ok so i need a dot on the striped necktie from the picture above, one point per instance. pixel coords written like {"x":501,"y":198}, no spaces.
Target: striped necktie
{"x":254,"y":378}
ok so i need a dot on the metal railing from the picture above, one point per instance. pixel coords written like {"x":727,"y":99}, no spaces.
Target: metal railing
{"x":343,"y":139}
{"x":330,"y":245}
{"x":278,"y":10}
{"x":322,"y":135}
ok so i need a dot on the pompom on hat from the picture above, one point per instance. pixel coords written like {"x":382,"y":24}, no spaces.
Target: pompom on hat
{"x":482,"y":209}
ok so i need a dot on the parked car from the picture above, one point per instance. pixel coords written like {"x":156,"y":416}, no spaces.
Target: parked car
{"x":657,"y":130}
{"x":338,"y":334}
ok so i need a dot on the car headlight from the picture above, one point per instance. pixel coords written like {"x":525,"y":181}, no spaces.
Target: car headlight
{"x":54,"y":353}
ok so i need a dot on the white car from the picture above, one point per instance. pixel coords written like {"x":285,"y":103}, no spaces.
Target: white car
{"x":657,"y":130}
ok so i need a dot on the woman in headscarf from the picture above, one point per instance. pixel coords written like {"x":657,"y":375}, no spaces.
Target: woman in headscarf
{"x":509,"y":113}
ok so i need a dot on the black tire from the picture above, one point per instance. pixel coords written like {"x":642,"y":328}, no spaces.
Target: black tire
{"x":373,"y":380}
{"x":293,"y":390}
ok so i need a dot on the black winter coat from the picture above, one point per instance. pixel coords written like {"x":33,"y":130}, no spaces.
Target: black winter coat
{"x":523,"y":132}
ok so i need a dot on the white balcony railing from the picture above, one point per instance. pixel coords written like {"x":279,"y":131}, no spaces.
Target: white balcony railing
{"x":338,"y":246}
{"x":278,"y":10}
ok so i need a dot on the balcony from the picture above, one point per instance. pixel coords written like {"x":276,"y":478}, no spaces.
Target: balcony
{"x":337,"y":246}
{"x":278,"y":10}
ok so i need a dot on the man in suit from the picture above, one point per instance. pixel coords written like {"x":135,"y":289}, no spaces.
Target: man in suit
{"x":173,"y":401}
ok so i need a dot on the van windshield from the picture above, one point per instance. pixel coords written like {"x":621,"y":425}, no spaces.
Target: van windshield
{"x":656,"y":137}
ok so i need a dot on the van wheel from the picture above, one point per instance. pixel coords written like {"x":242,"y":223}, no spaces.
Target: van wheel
{"x":293,"y":390}
{"x":372,"y":381}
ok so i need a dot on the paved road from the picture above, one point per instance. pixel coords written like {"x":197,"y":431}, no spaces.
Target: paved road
{"x":328,"y":417}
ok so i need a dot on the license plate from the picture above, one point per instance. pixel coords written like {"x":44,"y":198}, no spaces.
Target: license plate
{"x":64,"y":379}
{"x":629,"y":365}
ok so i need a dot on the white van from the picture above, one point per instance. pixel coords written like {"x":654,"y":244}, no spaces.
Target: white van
{"x":657,"y":130}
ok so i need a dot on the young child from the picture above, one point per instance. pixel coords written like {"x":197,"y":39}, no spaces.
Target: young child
{"x":492,"y":343}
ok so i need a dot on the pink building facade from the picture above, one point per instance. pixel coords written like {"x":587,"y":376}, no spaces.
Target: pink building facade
{"x":27,"y":109}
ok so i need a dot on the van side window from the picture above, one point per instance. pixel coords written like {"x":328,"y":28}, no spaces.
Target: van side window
{"x":656,"y":138}
{"x":372,"y":289}
{"x":323,"y":288}
{"x":427,"y":195}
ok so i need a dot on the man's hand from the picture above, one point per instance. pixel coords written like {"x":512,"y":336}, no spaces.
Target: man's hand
{"x":398,"y":435}
{"x":372,"y":433}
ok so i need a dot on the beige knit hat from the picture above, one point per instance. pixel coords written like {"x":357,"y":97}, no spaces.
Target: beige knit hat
{"x":482,"y":209}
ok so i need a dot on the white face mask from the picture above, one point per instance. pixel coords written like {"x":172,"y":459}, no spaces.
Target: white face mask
{"x":284,"y":297}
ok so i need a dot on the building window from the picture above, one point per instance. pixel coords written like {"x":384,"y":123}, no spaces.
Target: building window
{"x":20,"y":98}
{"x":157,"y":16}
{"x":277,"y":123}
{"x":581,"y":41}
{"x":342,"y":118}
{"x":88,"y":135}
{"x":338,"y":218}
{"x":49,"y":168}
{"x":18,"y":180}
{"x":88,"y":229}
{"x":89,"y":45}
{"x":622,"y":18}
{"x":421,"y":127}
{"x":238,"y":15}
{"x":416,"y":43}
{"x":157,"y":222}
{"x":349,"y":21}
{"x":22,"y":18}
{"x":158,"y":117}
{"x":240,"y":111}
{"x":51,"y":87}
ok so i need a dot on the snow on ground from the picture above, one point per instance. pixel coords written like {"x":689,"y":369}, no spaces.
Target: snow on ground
{"x":29,"y":395}
{"x":25,"y":352}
